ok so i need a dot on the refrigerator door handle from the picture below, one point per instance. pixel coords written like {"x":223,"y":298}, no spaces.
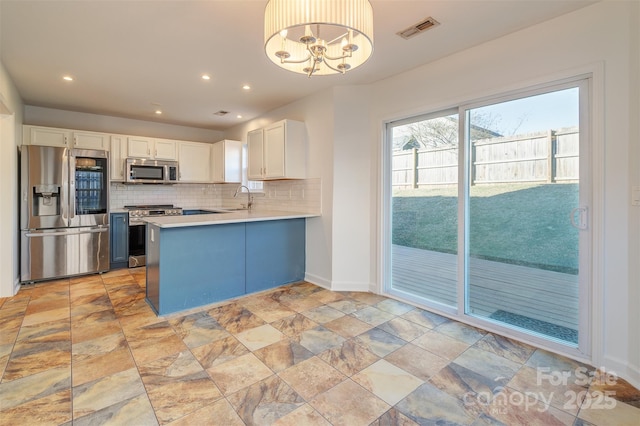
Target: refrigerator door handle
{"x":64,"y":201}
{"x":72,"y":186}
{"x":72,"y":231}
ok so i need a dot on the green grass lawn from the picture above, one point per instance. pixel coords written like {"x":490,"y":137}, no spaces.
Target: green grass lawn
{"x":525,"y":224}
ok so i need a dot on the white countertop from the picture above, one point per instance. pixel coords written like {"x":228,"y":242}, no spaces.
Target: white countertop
{"x":228,"y":216}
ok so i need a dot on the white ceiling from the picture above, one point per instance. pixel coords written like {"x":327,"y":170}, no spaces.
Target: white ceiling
{"x":130,"y":58}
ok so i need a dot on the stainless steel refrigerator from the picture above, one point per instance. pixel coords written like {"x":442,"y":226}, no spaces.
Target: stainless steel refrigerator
{"x":64,"y":216}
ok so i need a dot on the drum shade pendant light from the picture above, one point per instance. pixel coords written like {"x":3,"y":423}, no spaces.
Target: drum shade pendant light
{"x":318,"y":37}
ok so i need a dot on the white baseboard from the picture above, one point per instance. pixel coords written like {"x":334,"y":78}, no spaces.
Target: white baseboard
{"x":629,"y":372}
{"x":16,"y":286}
{"x":349,"y":286}
{"x":337,"y":285}
{"x":319,"y":281}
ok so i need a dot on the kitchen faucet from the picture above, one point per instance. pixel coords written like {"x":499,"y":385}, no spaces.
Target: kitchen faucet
{"x":249,"y":197}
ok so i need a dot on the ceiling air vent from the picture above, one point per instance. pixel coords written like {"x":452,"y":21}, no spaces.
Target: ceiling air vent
{"x":221,"y":113}
{"x":418,"y":28}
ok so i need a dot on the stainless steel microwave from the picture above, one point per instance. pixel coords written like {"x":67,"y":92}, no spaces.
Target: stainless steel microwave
{"x":143,"y":170}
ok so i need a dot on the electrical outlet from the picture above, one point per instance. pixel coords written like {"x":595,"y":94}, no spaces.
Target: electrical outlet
{"x":635,"y":196}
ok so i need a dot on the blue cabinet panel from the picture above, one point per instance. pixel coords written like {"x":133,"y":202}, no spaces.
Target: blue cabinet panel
{"x":194,"y":266}
{"x":200,"y":265}
{"x":119,"y":240}
{"x":275,"y":253}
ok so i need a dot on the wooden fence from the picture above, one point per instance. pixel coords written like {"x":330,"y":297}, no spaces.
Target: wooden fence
{"x":550,"y":156}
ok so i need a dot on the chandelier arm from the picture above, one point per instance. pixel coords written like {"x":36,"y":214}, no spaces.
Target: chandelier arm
{"x":291,"y":61}
{"x":338,"y":38}
{"x":311,"y":71}
{"x":335,"y":69}
{"x":337,"y":58}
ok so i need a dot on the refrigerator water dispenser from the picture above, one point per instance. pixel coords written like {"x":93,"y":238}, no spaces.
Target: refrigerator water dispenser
{"x":46,"y":200}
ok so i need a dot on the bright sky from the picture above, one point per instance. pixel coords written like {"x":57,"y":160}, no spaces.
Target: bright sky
{"x":542,"y":112}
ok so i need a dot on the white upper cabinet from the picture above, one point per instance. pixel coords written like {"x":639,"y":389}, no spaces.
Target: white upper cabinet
{"x":118,"y":156}
{"x":277,"y":152}
{"x":139,"y":147}
{"x":50,"y":136}
{"x":46,"y":136}
{"x":91,"y":140}
{"x":226,"y":162}
{"x":165,"y":149}
{"x":255,"y":150}
{"x":158,"y":149}
{"x":195,"y":162}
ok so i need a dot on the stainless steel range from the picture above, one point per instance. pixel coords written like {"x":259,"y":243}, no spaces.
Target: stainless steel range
{"x":138,"y":228}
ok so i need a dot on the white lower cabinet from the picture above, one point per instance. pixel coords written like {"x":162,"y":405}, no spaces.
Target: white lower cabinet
{"x":194,"y":160}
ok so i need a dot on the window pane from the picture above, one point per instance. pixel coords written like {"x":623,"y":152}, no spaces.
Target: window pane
{"x":424,"y":208}
{"x":524,"y":187}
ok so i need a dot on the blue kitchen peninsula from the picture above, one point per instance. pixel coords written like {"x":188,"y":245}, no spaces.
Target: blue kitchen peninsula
{"x":196,"y":260}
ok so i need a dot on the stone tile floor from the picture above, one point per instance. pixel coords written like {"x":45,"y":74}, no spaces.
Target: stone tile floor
{"x":89,"y":350}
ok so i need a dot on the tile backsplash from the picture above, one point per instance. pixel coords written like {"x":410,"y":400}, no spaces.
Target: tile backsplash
{"x":303,"y":195}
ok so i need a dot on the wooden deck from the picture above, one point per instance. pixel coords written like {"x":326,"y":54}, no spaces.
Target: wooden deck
{"x":535,"y":293}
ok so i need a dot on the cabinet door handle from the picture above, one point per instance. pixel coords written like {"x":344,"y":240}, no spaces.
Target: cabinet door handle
{"x":65,"y":140}
{"x":148,"y":151}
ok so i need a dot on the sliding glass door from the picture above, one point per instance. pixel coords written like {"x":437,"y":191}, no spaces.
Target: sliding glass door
{"x":488,"y":214}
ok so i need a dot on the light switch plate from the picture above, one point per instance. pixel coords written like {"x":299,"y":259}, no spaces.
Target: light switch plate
{"x":635,"y":196}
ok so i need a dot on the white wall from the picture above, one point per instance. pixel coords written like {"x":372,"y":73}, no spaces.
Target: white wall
{"x":634,"y":179}
{"x":10,"y":135}
{"x":352,"y":163}
{"x":604,"y":34}
{"x":317,"y":113}
{"x":50,"y":117}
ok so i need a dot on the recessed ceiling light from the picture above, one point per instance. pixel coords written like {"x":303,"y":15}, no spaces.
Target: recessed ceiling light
{"x":246,"y":87}
{"x":238,"y":116}
{"x":67,"y":78}
{"x":206,"y":77}
{"x":158,"y":112}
